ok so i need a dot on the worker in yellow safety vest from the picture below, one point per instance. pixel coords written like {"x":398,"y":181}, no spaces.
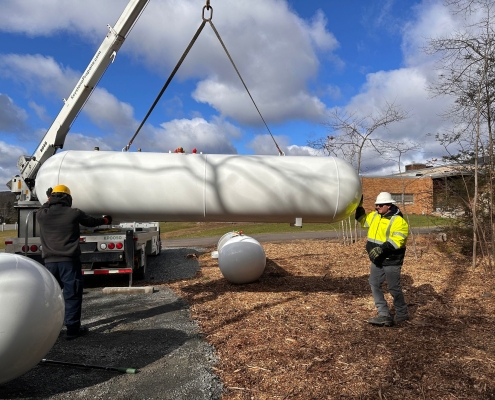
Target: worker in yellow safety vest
{"x":386,"y":247}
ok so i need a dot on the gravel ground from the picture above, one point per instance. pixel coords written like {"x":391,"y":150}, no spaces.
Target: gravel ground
{"x":151,"y":332}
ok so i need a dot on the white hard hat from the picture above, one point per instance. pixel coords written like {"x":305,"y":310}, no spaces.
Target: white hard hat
{"x":384,"y":198}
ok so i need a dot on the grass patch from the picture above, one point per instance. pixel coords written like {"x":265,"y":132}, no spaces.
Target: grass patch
{"x":208,"y":229}
{"x":188,"y":230}
{"x":6,"y":234}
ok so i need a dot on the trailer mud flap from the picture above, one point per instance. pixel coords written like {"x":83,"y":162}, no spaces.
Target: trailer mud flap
{"x":129,"y":249}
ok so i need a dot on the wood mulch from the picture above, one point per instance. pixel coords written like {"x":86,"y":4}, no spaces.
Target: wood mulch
{"x":300,"y":332}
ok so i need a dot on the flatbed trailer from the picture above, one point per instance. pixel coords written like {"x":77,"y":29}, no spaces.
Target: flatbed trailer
{"x":116,"y":249}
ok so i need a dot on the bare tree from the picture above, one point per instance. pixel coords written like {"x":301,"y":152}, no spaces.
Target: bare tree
{"x":351,"y":134}
{"x":8,"y":213}
{"x":467,"y":62}
{"x":393,"y":151}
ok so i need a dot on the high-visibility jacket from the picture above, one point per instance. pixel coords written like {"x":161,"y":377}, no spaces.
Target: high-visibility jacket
{"x":389,"y":231}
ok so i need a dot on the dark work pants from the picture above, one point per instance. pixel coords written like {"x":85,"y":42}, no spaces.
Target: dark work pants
{"x":69,"y":276}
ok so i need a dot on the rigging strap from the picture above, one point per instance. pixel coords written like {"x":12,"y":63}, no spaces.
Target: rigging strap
{"x":280,"y":152}
{"x":205,"y":19}
{"x":126,"y":148}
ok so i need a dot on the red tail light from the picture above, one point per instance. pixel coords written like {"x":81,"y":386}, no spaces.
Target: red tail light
{"x":24,"y":248}
{"x":119,"y":245}
{"x":33,"y":248}
{"x":111,"y":246}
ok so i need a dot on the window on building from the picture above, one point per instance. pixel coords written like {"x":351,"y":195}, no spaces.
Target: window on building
{"x":406,"y":198}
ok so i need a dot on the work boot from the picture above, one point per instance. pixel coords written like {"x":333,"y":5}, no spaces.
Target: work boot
{"x":381,"y":320}
{"x":401,"y":318}
{"x":71,"y":335}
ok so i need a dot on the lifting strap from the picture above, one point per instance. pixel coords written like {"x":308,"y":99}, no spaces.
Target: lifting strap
{"x":193,"y":40}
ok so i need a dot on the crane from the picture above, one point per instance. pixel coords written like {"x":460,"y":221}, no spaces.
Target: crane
{"x":24,"y":183}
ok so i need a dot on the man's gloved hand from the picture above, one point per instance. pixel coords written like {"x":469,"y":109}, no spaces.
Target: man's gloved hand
{"x":49,"y":192}
{"x":108,"y":219}
{"x":387,"y":247}
{"x":375,"y":253}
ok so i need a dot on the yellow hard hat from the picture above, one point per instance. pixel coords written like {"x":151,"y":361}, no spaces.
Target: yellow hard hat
{"x":61,"y":189}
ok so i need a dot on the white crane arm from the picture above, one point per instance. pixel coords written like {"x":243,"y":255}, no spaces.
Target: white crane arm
{"x":55,"y":136}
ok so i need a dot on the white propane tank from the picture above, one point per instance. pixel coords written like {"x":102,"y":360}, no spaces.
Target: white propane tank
{"x":204,"y":187}
{"x":241,"y":259}
{"x":31,"y":314}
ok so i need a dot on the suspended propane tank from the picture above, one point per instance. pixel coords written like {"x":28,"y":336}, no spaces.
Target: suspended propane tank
{"x":241,"y":259}
{"x":31,"y":314}
{"x":204,"y":187}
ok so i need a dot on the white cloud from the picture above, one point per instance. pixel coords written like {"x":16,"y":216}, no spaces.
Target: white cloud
{"x":277,"y":57}
{"x":294,"y":150}
{"x":44,"y":75}
{"x":407,"y":88}
{"x":261,"y":45}
{"x":8,"y":162}
{"x":264,"y":145}
{"x":40,"y":111}
{"x":110,"y":114}
{"x":208,"y":137}
{"x":39,"y":73}
{"x":49,"y":17}
{"x":77,"y":141}
{"x":12,"y":117}
{"x":323,"y":39}
{"x":106,"y":111}
{"x":237,"y":104}
{"x":432,"y":20}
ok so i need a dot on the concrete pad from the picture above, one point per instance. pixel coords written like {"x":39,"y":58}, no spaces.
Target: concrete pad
{"x":127,"y":290}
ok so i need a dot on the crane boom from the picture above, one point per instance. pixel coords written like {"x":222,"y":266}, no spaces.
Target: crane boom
{"x":55,"y":136}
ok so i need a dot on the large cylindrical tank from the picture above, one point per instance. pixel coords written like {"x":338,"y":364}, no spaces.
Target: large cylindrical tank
{"x":197,"y":187}
{"x":241,"y":259}
{"x":31,"y":314}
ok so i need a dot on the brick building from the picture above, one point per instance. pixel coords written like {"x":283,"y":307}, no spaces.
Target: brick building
{"x":418,"y":190}
{"x":413,"y":195}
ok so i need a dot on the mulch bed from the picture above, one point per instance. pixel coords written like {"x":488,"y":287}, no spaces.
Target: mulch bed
{"x":300,"y":332}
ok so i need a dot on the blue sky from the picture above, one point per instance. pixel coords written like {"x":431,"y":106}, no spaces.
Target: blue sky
{"x":299,"y":59}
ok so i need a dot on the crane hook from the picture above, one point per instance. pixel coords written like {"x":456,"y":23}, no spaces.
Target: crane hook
{"x":209,"y":8}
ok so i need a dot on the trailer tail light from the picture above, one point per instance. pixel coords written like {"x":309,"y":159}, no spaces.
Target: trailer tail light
{"x":111,"y":246}
{"x":82,"y":240}
{"x":9,"y":242}
{"x":33,"y":248}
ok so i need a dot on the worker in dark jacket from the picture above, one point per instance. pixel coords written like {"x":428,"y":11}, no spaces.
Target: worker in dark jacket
{"x":386,"y":247}
{"x":59,"y":233}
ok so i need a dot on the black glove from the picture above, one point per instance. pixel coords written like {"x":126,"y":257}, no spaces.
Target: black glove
{"x":49,"y":192}
{"x":387,"y":247}
{"x":108,"y":219}
{"x":375,"y":253}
